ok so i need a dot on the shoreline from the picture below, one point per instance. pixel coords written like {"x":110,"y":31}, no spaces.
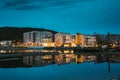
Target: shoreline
{"x":75,"y":49}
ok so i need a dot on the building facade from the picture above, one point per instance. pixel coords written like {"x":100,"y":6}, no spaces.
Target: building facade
{"x":37,"y":38}
{"x":89,"y":41}
{"x":79,"y":39}
{"x":61,"y":38}
{"x":64,"y":39}
{"x":85,"y":40}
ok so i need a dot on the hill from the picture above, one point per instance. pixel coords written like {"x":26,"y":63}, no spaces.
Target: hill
{"x":16,"y":33}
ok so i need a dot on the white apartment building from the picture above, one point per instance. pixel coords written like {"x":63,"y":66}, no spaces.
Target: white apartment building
{"x":61,"y":38}
{"x":68,"y":40}
{"x":64,"y":38}
{"x":37,"y":38}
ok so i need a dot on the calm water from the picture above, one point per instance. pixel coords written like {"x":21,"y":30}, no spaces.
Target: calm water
{"x":61,"y":67}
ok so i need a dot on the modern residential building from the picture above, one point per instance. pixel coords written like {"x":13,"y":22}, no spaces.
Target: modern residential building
{"x":44,"y":38}
{"x":38,"y":38}
{"x":79,"y":39}
{"x":61,"y":38}
{"x":69,"y":40}
{"x":64,"y":39}
{"x":73,"y":40}
{"x":85,"y":40}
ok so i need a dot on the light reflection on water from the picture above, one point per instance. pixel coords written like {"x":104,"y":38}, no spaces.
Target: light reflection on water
{"x":14,"y":51}
{"x":36,"y":50}
{"x":67,"y":66}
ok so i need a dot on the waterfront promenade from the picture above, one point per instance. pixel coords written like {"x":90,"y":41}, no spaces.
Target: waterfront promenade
{"x":21,"y":54}
{"x":13,"y":52}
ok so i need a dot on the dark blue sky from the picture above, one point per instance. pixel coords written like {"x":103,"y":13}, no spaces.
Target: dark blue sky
{"x":83,"y":16}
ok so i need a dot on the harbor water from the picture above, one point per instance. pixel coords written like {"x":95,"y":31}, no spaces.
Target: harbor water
{"x":63,"y":66}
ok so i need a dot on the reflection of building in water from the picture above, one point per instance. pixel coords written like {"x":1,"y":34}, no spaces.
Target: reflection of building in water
{"x":64,"y":58}
{"x":80,"y":58}
{"x":38,"y":60}
{"x":100,"y":58}
{"x":68,"y":51}
{"x":28,"y":60}
{"x":68,"y":58}
{"x":85,"y":58}
{"x":115,"y":58}
{"x":65,"y":51}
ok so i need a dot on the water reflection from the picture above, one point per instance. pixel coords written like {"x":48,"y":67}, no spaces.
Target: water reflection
{"x":61,"y":59}
{"x":85,"y":58}
{"x":25,"y":51}
{"x":60,"y":66}
{"x":38,"y":60}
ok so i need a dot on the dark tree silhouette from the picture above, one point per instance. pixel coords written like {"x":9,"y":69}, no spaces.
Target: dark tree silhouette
{"x":16,"y":33}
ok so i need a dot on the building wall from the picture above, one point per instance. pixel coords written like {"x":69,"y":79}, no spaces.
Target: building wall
{"x":58,"y":39}
{"x":61,"y":38}
{"x":89,"y":41}
{"x":72,"y":40}
{"x":65,"y":39}
{"x":79,"y":39}
{"x":37,"y":37}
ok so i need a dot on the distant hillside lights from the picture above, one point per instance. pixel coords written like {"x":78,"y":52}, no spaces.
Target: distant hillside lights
{"x":113,"y":40}
{"x":6,"y":43}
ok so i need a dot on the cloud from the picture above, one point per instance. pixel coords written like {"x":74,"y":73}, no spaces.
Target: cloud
{"x":22,"y":5}
{"x":36,"y":4}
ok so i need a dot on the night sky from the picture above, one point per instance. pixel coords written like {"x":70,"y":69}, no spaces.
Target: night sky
{"x":83,"y":16}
